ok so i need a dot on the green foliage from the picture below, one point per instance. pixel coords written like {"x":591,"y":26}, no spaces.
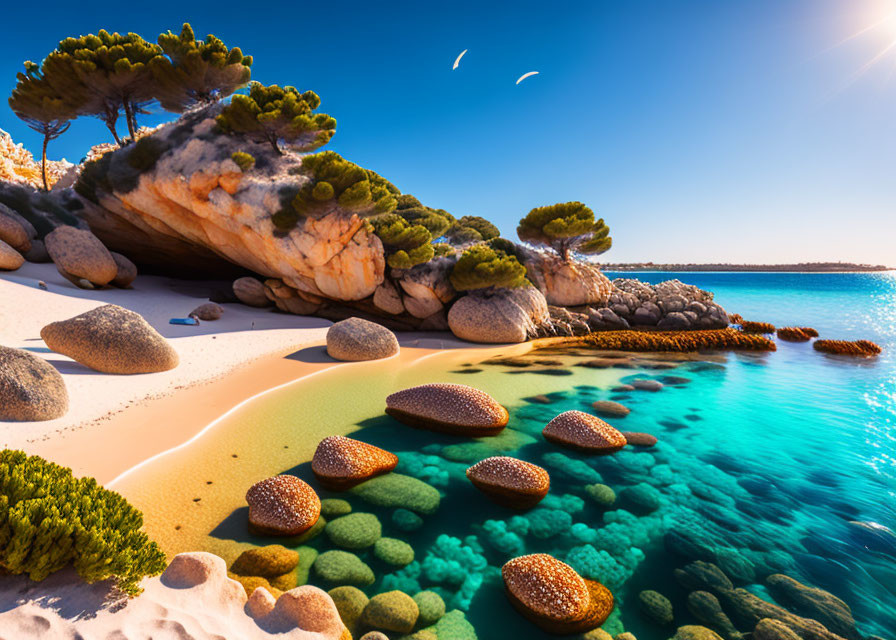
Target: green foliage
{"x":443,"y":250}
{"x":354,"y":531}
{"x":49,"y":519}
{"x":245,"y":161}
{"x":436,"y":221}
{"x":481,"y":266}
{"x":144,"y":154}
{"x":405,"y":244}
{"x":195,"y":72}
{"x":334,"y":507}
{"x":566,"y":227}
{"x":273,"y":114}
{"x":473,"y":229}
{"x":94,"y":178}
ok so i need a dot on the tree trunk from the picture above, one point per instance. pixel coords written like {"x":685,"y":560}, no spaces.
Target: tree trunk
{"x":111,"y":126}
{"x":131,"y":120}
{"x":563,"y":250}
{"x":43,"y":162}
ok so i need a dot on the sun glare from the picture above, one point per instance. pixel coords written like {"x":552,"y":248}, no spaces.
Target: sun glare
{"x":880,"y":29}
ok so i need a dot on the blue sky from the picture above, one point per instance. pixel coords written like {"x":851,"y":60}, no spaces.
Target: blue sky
{"x":700,"y":130}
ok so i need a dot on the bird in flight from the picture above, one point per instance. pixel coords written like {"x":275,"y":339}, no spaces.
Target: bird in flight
{"x":526,"y":75}
{"x":457,"y":62}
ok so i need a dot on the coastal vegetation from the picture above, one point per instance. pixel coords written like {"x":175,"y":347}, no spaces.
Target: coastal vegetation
{"x":482,"y":266}
{"x":49,"y":519}
{"x":567,"y":227}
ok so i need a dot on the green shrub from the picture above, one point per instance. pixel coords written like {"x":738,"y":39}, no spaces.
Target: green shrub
{"x":436,"y":221}
{"x":473,"y":229}
{"x":397,"y":490}
{"x":245,"y":161}
{"x":565,"y":227}
{"x":144,"y":154}
{"x":343,"y":568}
{"x":394,"y":551}
{"x":443,"y":250}
{"x":50,"y":519}
{"x":481,"y":267}
{"x":405,"y":244}
{"x":333,"y":180}
{"x":355,"y":531}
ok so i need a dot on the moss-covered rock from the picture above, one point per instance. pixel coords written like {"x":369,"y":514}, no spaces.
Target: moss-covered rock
{"x":355,"y":531}
{"x":397,"y":490}
{"x":394,"y":551}
{"x":406,"y":520}
{"x":267,"y":562}
{"x":334,"y":507}
{"x":251,"y":583}
{"x":350,"y":603}
{"x":454,"y":626}
{"x":431,"y":607}
{"x":391,"y":611}
{"x":343,"y":568}
{"x":285,"y":582}
{"x":307,"y":556}
{"x":603,"y":495}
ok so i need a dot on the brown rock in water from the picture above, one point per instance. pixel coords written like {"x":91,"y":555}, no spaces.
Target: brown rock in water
{"x":695,"y":632}
{"x":207,"y":311}
{"x":610,"y":409}
{"x":79,"y":254}
{"x":282,"y":506}
{"x":111,"y":339}
{"x":656,"y":607}
{"x":553,"y":596}
{"x":340,"y":463}
{"x":706,"y":608}
{"x":768,"y":629}
{"x":268,"y":562}
{"x":30,"y":388}
{"x":814,"y":603}
{"x":510,"y":482}
{"x":638,"y":439}
{"x":126,"y":271}
{"x":448,"y":408}
{"x":250,"y":291}
{"x":10,"y":259}
{"x":14,"y":234}
{"x":584,"y":432}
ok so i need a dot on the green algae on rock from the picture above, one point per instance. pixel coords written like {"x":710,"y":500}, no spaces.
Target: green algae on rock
{"x":431,"y":607}
{"x":397,"y":490}
{"x":268,"y":561}
{"x":354,"y":531}
{"x":350,"y":602}
{"x":393,"y":551}
{"x":334,"y":507}
{"x":391,"y":611}
{"x":343,"y":568}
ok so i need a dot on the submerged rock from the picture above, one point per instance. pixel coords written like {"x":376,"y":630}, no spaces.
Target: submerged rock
{"x":358,"y":339}
{"x":610,"y":409}
{"x":30,"y":388}
{"x":111,"y":339}
{"x":340,"y":463}
{"x":814,"y":603}
{"x":510,"y":482}
{"x":584,"y":432}
{"x":282,"y":506}
{"x":449,"y":408}
{"x":656,"y":607}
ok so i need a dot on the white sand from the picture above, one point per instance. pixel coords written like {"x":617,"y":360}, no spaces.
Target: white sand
{"x":206,"y":351}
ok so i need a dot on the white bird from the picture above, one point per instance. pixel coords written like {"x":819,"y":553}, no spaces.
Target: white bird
{"x":457,"y":62}
{"x":526,"y":75}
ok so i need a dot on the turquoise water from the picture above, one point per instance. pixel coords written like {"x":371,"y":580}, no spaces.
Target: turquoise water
{"x":765,"y":464}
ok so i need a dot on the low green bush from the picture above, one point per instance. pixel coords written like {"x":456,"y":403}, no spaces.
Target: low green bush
{"x":50,"y":519}
{"x":243,"y":160}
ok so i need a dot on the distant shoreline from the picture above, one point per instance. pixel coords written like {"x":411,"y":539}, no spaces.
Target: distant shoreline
{"x":808,"y":267}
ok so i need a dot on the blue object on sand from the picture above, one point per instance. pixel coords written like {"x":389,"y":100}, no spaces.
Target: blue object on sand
{"x":183,"y":321}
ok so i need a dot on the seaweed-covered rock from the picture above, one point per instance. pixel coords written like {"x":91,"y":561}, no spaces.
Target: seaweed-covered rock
{"x":454,"y":626}
{"x":431,"y":607}
{"x":769,"y":629}
{"x":553,"y":596}
{"x":340,"y":463}
{"x":510,"y":482}
{"x":30,"y":388}
{"x":354,"y":531}
{"x":398,"y":490}
{"x":817,"y":604}
{"x":450,"y":408}
{"x":350,"y":602}
{"x":250,"y":291}
{"x":111,"y":339}
{"x":334,"y":507}
{"x":343,"y":568}
{"x":583,"y":432}
{"x":393,"y":551}
{"x":656,"y":607}
{"x":406,"y":520}
{"x":706,"y":608}
{"x":641,"y":498}
{"x":602,"y":494}
{"x":358,"y":339}
{"x":391,"y":611}
{"x":610,"y":409}
{"x":498,"y":316}
{"x":282,"y":505}
{"x":695,"y":632}
{"x":80,"y":254}
{"x":10,"y":259}
{"x":268,"y":561}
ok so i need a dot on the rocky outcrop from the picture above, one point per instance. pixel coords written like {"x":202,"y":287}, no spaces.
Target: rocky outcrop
{"x":567,"y":284}
{"x":503,"y":315}
{"x":30,"y":388}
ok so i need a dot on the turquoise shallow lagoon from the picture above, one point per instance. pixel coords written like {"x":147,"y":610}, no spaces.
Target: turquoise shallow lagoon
{"x":767,"y":463}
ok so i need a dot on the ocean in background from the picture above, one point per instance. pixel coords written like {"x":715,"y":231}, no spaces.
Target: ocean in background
{"x":782,"y":462}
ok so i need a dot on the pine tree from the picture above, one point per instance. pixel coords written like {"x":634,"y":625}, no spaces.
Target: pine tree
{"x":482,"y":267}
{"x":193,"y":72}
{"x":406,"y":244}
{"x":36,"y":102}
{"x":566,"y":227}
{"x":437,"y":221}
{"x":470,"y":229}
{"x":273,"y":114}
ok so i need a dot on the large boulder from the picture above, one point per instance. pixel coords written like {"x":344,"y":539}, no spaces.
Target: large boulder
{"x":568,"y":284}
{"x":13,"y":233}
{"x":79,"y":254}
{"x":250,"y":291}
{"x":358,"y":339}
{"x":111,"y":339}
{"x":30,"y":388}
{"x":503,"y":315}
{"x":10,"y":259}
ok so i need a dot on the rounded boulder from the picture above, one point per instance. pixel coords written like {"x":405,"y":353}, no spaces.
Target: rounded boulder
{"x":504,"y":316}
{"x":30,"y":388}
{"x":80,"y":254}
{"x":357,"y":339}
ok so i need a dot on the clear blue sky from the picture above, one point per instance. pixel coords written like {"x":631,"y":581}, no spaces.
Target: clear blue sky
{"x":700,"y":130}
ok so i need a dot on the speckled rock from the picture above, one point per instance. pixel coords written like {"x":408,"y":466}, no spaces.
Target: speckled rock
{"x":79,"y":254}
{"x":706,"y":608}
{"x":656,"y":607}
{"x":769,"y":629}
{"x":10,"y":259}
{"x":449,"y":408}
{"x":817,"y":604}
{"x":510,"y":482}
{"x":126,"y":271}
{"x":283,"y":506}
{"x":260,"y":603}
{"x":307,"y":608}
{"x":111,"y":339}
{"x":639,"y":439}
{"x":207,"y":311}
{"x":695,"y":632}
{"x":340,"y":463}
{"x":250,"y":291}
{"x":504,"y":315}
{"x":583,"y":432}
{"x":358,"y":339}
{"x":14,"y":234}
{"x":350,"y":602}
{"x":30,"y":388}
{"x":553,"y":596}
{"x":610,"y":409}
{"x":568,"y":284}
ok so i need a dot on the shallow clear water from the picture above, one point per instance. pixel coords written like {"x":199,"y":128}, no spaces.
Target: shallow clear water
{"x":765,"y":463}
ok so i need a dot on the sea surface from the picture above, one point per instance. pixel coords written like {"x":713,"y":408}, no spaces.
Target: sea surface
{"x":767,"y":463}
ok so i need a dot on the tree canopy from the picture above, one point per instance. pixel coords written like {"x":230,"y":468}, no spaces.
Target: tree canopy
{"x":482,"y":266}
{"x":565,"y":227}
{"x":274,"y":114}
{"x":192,"y":72}
{"x":406,"y":244}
